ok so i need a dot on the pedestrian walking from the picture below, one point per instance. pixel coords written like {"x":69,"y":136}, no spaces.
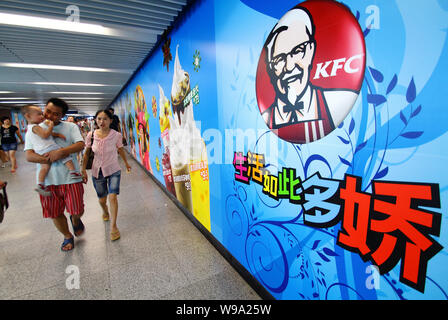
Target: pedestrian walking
{"x":67,"y":193}
{"x":106,"y":171}
{"x":8,"y":133}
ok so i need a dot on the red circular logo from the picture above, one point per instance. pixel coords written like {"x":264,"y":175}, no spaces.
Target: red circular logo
{"x":310,"y":71}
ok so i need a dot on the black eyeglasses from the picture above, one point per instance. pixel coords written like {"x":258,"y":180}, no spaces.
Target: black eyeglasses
{"x":279,"y":61}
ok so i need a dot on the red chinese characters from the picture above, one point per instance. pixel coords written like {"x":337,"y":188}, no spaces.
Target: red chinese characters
{"x":389,"y":226}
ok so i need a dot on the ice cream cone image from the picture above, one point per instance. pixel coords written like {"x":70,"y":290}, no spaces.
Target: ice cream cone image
{"x":180,"y":87}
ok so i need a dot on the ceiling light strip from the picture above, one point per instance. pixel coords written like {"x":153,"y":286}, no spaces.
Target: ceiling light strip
{"x":59,"y":67}
{"x":65,"y":84}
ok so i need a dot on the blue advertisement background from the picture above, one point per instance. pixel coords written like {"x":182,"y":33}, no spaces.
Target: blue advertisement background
{"x":396,"y":131}
{"x":295,"y":261}
{"x":19,"y":121}
{"x":195,"y":36}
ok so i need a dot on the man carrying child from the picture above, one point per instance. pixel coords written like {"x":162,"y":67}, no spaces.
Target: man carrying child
{"x":66,"y":190}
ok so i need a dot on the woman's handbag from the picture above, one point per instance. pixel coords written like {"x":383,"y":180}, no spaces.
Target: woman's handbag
{"x":3,"y":203}
{"x":91,"y":155}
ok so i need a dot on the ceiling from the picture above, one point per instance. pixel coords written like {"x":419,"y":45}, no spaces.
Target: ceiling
{"x":68,"y":55}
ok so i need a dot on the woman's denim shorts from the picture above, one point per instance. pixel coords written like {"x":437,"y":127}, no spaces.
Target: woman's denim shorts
{"x":106,"y":185}
{"x":9,"y":146}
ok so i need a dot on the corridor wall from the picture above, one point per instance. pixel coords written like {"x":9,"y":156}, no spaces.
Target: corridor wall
{"x":307,"y":138}
{"x":19,"y":121}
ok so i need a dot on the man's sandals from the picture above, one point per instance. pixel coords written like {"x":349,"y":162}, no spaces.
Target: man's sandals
{"x":67,"y":242}
{"x":78,"y":230}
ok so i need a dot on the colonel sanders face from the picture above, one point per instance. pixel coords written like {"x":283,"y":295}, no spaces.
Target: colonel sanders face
{"x":290,"y":53}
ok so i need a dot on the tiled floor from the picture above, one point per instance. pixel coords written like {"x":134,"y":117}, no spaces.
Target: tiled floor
{"x":161,"y":254}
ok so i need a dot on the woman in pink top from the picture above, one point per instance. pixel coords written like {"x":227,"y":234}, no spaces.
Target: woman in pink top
{"x":106,"y":171}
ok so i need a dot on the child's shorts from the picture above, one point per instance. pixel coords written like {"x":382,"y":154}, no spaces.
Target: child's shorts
{"x":52,"y":148}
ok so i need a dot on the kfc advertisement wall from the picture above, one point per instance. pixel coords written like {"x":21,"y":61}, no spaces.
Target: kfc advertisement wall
{"x":308,"y":138}
{"x":19,"y":121}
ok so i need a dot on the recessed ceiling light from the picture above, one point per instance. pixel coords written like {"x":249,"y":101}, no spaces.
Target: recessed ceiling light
{"x":15,"y":98}
{"x":4,"y":92}
{"x":59,"y":67}
{"x":75,"y":84}
{"x":19,"y":102}
{"x":53,"y":24}
{"x":65,"y":84}
{"x":81,"y":98}
{"x":66,"y":92}
{"x":132,"y":33}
